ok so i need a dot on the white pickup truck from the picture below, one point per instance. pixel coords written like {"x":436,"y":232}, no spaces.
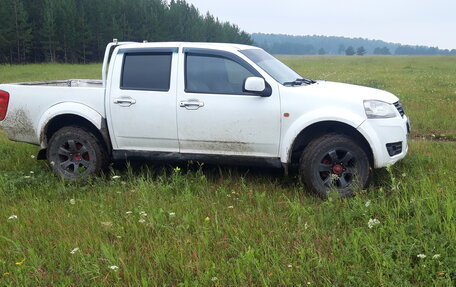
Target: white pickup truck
{"x":208,"y":102}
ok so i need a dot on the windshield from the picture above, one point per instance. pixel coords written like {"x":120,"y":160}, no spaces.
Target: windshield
{"x":276,"y":69}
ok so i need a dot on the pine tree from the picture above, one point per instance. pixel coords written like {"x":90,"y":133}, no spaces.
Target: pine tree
{"x":6,"y":32}
{"x":23,"y":32}
{"x":49,"y":30}
{"x":360,"y":51}
{"x":350,"y":51}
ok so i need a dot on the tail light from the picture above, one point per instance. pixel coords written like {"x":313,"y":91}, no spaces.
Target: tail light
{"x":4,"y":100}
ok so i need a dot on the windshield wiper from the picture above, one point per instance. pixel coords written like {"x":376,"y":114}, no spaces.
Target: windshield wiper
{"x":299,"y":82}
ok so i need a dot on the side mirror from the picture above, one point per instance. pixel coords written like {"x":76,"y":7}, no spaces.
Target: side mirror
{"x":258,"y":86}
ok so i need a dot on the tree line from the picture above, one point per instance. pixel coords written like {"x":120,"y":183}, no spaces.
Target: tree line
{"x":77,"y":31}
{"x":360,"y":51}
{"x":350,"y":51}
{"x":311,"y":45}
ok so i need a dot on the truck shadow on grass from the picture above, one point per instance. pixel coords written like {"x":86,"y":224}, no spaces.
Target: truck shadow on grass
{"x":213,"y":172}
{"x":256,"y":177}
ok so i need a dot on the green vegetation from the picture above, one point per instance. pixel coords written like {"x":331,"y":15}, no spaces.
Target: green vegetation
{"x":193,"y":225}
{"x":76,"y":31}
{"x":350,"y":51}
{"x":360,"y":51}
{"x":310,"y":45}
{"x":48,"y":72}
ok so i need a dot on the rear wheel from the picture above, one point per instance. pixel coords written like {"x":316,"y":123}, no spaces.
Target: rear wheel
{"x":334,"y":162}
{"x":75,"y":153}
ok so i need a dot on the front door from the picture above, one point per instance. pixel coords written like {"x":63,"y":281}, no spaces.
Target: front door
{"x":215,"y":115}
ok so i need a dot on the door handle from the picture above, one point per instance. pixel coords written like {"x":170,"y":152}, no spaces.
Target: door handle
{"x":191,"y":104}
{"x":125,"y":102}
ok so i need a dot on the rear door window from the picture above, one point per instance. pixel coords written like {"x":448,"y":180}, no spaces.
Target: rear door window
{"x":146,"y":71}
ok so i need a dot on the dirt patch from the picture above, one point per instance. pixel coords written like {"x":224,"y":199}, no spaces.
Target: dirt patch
{"x":237,"y":147}
{"x":19,"y":127}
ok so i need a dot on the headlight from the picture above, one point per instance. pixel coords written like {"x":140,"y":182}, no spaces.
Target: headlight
{"x":379,"y":110}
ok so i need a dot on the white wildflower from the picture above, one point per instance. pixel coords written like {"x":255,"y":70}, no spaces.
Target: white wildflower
{"x":373,"y":222}
{"x":52,"y":163}
{"x":436,"y":256}
{"x":73,"y":201}
{"x":368,"y":203}
{"x":32,"y":172}
{"x":421,"y":256}
{"x":143,"y":213}
{"x":32,"y":156}
{"x":27,"y":176}
{"x":290,"y":266}
{"x":74,"y":250}
{"x":214,"y":279}
{"x":306,"y":226}
{"x":172,"y":214}
{"x":119,"y":237}
{"x":141,"y":220}
{"x":129,"y":212}
{"x":115,"y":177}
{"x":114,"y":267}
{"x":230,"y":207}
{"x":13,"y":217}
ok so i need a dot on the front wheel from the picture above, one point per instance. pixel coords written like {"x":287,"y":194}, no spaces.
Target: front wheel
{"x":334,"y":162}
{"x":75,"y":153}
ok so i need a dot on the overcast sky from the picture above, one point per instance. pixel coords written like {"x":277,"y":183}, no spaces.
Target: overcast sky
{"x":414,"y":22}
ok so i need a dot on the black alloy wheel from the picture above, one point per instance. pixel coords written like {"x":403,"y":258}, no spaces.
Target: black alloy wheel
{"x":75,"y":153}
{"x":334,"y":162}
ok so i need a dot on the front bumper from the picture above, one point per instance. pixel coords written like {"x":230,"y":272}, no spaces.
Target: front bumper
{"x":382,"y":134}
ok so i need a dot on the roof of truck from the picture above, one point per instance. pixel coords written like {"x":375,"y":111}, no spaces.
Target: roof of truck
{"x":218,"y":46}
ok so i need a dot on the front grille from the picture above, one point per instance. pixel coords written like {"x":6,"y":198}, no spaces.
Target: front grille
{"x":394,"y":148}
{"x":399,"y":108}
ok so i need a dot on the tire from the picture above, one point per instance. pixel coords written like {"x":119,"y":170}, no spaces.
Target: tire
{"x":75,"y":153}
{"x":334,"y":162}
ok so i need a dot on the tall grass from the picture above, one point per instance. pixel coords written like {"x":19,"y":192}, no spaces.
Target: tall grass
{"x":198,"y":225}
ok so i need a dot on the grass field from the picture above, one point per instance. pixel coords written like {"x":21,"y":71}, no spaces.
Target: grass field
{"x":193,"y":225}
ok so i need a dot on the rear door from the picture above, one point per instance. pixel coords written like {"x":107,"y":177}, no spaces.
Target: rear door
{"x":142,"y":100}
{"x":215,"y":115}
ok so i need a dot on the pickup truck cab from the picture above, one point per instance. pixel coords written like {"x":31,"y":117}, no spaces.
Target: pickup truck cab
{"x":208,"y":102}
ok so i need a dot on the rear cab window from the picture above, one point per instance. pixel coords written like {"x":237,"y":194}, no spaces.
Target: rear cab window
{"x":149,"y":71}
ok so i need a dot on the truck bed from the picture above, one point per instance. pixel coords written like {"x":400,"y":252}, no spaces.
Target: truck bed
{"x":31,"y":103}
